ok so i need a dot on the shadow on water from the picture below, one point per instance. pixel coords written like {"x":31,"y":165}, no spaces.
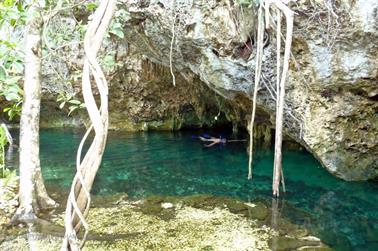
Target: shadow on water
{"x":343,"y":214}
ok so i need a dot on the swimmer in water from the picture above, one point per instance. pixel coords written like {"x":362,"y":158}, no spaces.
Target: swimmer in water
{"x":214,"y":140}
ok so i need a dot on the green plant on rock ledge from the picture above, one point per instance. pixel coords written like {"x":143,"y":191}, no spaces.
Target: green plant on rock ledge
{"x":69,"y":99}
{"x":116,"y":26}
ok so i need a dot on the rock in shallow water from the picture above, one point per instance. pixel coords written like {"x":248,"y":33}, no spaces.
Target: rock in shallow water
{"x":140,"y":226}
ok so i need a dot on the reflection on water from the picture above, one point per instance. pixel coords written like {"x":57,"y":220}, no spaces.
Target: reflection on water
{"x":343,"y":214}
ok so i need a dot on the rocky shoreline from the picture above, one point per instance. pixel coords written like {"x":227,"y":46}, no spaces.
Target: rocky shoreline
{"x":198,"y":222}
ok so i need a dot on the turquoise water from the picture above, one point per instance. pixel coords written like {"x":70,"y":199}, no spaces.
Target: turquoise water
{"x":343,"y":214}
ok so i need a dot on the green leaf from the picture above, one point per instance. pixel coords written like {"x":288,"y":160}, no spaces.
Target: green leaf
{"x":11,"y":96}
{"x":3,"y":72}
{"x":75,"y":102}
{"x":18,"y":66}
{"x":8,"y":3}
{"x":13,"y":82}
{"x":7,"y":43}
{"x":19,"y":7}
{"x":91,"y":6}
{"x":72,"y":108}
{"x":62,"y":105}
{"x":118,"y":32}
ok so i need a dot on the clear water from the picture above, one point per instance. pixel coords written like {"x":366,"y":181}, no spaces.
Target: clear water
{"x":343,"y":214}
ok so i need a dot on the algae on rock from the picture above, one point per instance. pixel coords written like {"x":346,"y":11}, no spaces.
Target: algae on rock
{"x":200,"y":222}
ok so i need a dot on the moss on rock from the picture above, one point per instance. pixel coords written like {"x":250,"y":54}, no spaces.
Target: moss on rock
{"x":200,"y":222}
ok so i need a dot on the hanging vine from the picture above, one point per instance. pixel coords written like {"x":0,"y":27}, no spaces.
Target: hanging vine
{"x":79,"y":198}
{"x":259,"y":54}
{"x":280,"y":8}
{"x":172,"y":43}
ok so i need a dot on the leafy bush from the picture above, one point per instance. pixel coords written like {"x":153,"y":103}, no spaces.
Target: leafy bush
{"x":12,"y":15}
{"x":74,"y":104}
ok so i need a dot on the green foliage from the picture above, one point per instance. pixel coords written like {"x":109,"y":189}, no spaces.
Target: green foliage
{"x":69,"y":99}
{"x":12,"y":12}
{"x":91,"y":6}
{"x":13,"y":90}
{"x":116,"y":27}
{"x":11,"y":69}
{"x":13,"y":110}
{"x":8,"y":178}
{"x":62,"y":31}
{"x":3,"y":137}
{"x":3,"y":142}
{"x":12,"y":15}
{"x":108,"y":61}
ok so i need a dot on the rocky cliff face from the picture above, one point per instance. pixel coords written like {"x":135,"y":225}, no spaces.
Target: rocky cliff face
{"x":142,"y":97}
{"x":332,"y":88}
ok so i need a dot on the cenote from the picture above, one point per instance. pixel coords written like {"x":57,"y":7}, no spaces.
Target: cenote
{"x":343,"y":214}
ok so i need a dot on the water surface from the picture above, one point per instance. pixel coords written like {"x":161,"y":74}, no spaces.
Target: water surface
{"x":343,"y":214}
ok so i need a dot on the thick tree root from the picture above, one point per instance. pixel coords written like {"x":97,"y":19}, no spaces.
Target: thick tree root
{"x":79,"y":198}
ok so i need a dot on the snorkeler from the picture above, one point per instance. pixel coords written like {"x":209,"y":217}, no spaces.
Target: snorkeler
{"x":214,"y":140}
{"x":219,"y":140}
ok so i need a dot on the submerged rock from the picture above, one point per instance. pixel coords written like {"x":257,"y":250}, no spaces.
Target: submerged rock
{"x":199,"y":222}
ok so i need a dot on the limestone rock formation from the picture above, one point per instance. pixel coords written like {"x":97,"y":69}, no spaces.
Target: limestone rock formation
{"x":332,"y":87}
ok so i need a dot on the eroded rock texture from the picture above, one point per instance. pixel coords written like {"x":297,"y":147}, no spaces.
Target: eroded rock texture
{"x":332,"y":85}
{"x":142,"y":97}
{"x":141,"y":93}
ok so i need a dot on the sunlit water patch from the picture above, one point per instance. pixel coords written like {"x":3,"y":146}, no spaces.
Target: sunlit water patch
{"x":343,"y":214}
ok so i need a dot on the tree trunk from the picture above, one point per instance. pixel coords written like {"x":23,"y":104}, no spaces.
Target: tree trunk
{"x":32,"y":194}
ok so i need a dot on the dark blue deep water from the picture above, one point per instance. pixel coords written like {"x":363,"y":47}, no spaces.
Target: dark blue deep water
{"x":342,"y":214}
